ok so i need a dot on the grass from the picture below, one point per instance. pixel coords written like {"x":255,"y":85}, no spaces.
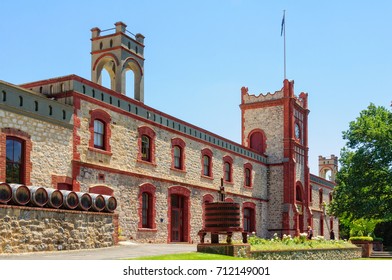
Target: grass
{"x":188,"y":256}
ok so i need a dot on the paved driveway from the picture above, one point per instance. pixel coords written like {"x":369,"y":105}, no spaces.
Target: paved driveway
{"x":121,"y":251}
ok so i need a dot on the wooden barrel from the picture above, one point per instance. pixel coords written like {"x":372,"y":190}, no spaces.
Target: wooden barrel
{"x":71,"y":200}
{"x":55,"y":198}
{"x":5,"y":193}
{"x":98,"y":202}
{"x":110,"y":203}
{"x":39,"y":196}
{"x":20,"y":194}
{"x":85,"y":201}
{"x":222,"y":217}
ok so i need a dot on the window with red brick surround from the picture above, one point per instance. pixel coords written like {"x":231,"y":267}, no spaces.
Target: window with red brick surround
{"x":100,"y":131}
{"x":146,"y":144}
{"x":178,"y":154}
{"x":146,"y":208}
{"x":206,"y":163}
{"x":228,"y":169}
{"x":249,"y":218}
{"x":257,"y":141}
{"x":320,"y":198}
{"x":248,"y":175}
{"x":16,"y":136}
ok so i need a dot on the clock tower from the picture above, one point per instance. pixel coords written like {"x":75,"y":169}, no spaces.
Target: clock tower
{"x":276,"y":124}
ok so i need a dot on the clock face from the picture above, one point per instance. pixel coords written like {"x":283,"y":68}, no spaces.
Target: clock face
{"x":297,"y":131}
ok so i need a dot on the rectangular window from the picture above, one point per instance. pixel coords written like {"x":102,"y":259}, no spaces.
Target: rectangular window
{"x":14,"y":161}
{"x":146,"y":149}
{"x":99,"y":134}
{"x":146,"y":210}
{"x":177,"y":157}
{"x":206,"y":166}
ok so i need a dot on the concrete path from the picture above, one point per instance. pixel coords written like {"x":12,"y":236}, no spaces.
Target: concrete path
{"x":121,"y":251}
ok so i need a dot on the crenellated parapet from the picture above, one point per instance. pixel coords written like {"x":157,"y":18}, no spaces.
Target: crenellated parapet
{"x":247,"y":98}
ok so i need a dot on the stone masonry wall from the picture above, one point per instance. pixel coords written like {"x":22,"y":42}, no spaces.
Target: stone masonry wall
{"x":51,"y":146}
{"x":126,"y":190}
{"x":28,"y":229}
{"x":124,"y":148}
{"x":270,"y":120}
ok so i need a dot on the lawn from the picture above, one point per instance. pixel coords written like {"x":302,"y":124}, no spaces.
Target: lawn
{"x":189,"y":256}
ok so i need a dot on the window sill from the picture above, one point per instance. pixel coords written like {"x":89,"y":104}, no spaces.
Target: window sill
{"x":95,"y":150}
{"x":147,"y":230}
{"x":178,"y":170}
{"x":146,"y":162}
{"x":207,"y":177}
{"x":248,"y":187}
{"x":228,"y":183}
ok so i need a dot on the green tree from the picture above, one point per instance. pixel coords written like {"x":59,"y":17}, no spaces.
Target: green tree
{"x":364,"y":181}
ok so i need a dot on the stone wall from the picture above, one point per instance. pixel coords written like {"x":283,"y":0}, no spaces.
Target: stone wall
{"x":28,"y":229}
{"x":314,"y":254}
{"x":51,"y":148}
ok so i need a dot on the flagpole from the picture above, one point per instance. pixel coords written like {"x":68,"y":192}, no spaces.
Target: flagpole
{"x":284,"y":42}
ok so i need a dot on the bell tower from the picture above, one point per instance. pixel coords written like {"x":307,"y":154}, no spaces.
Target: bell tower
{"x":117,"y":53}
{"x":328,"y":167}
{"x":276,"y":124}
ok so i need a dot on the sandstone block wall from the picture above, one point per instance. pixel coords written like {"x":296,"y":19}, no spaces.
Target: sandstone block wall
{"x":51,"y":152}
{"x":28,"y":229}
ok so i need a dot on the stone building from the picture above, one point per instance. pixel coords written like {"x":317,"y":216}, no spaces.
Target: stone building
{"x":72,"y":133}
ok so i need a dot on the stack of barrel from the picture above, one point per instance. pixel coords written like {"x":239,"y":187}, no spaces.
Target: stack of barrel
{"x":52,"y":198}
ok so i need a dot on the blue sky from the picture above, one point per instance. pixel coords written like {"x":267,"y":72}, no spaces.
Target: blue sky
{"x":200,"y":53}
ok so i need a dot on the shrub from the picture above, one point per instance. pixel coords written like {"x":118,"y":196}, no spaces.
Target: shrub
{"x":361,"y":238}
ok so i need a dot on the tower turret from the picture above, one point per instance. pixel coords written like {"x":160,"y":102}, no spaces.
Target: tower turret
{"x":118,"y":53}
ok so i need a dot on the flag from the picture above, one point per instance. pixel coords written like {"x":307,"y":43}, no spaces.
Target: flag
{"x":282,"y":28}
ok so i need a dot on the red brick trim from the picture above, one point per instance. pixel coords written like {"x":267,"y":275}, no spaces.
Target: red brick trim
{"x":186,"y":193}
{"x":79,"y":164}
{"x":105,"y":190}
{"x":150,"y":189}
{"x":102,"y":56}
{"x":136,"y":62}
{"x":56,"y":179}
{"x":27,"y":146}
{"x":181,"y":144}
{"x":103,"y":116}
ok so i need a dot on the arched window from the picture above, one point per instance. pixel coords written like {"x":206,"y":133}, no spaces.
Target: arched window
{"x":206,"y":163}
{"x":146,"y":145}
{"x":206,"y":166}
{"x":228,"y":169}
{"x":320,"y":198}
{"x":227,"y":172}
{"x":249,"y":219}
{"x":14,"y":160}
{"x":177,"y":157}
{"x":178,"y":154}
{"x":146,"y":148}
{"x":146,"y":210}
{"x":257,"y":141}
{"x":248,"y":175}
{"x":100,"y":131}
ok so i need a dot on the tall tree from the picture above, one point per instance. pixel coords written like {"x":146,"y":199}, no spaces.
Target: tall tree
{"x":364,"y":181}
